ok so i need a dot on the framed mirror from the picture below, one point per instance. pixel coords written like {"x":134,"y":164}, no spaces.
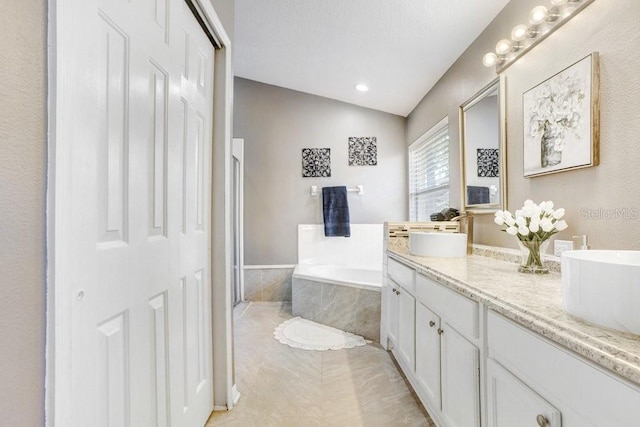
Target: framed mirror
{"x":483,"y":150}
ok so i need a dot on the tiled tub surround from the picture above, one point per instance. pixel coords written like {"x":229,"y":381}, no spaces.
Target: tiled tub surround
{"x":352,"y":309}
{"x":533,"y":301}
{"x":267,"y":283}
{"x":348,"y":303}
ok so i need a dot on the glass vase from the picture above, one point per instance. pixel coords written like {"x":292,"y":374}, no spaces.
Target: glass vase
{"x":531,"y":252}
{"x":549,"y":156}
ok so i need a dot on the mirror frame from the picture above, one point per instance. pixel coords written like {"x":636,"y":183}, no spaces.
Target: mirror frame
{"x":500,"y":84}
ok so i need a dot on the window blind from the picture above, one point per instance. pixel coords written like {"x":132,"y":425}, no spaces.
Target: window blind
{"x":429,"y":173}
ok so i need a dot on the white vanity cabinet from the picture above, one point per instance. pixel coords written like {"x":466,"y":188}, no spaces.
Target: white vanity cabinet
{"x":447,"y":357}
{"x":533,"y":380}
{"x":471,"y":365}
{"x":402,"y":309}
{"x":433,"y":333}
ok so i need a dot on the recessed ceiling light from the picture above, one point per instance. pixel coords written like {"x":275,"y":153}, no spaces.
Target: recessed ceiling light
{"x":361,"y":87}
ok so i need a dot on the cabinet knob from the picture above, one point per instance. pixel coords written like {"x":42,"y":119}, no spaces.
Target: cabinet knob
{"x":542,"y":420}
{"x":432,"y":323}
{"x":397,"y":292}
{"x":440,"y":331}
{"x":393,"y":290}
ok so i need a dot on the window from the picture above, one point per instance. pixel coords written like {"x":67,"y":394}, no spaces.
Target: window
{"x":429,"y":173}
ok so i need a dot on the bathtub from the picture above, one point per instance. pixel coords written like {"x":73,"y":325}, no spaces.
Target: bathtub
{"x":347,"y":298}
{"x":338,"y":281}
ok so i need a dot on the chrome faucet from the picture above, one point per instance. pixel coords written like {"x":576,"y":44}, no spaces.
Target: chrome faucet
{"x":466,"y":226}
{"x":584,"y":238}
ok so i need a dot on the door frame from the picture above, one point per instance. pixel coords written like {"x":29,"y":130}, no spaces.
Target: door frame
{"x":224,"y":391}
{"x":238,"y":154}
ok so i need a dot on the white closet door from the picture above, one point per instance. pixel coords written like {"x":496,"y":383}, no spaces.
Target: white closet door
{"x":132,"y":206}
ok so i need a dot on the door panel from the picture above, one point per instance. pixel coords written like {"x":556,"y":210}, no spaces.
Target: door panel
{"x":460,"y":379}
{"x":392,"y":309}
{"x":512,"y":403}
{"x":160,"y":358}
{"x":406,"y":327}
{"x":134,"y":310}
{"x":428,"y":352}
{"x":196,"y":106}
{"x":159,"y":106}
{"x":113,"y":381}
{"x":113,"y":88}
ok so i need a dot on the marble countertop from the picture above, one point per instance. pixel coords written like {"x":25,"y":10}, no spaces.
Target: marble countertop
{"x":533,"y":301}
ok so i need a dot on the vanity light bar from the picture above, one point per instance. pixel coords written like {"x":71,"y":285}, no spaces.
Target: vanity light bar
{"x":542,"y":22}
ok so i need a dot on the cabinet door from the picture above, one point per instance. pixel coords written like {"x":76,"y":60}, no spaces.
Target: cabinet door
{"x":392,"y":313}
{"x":406,"y":328}
{"x":460,"y":379}
{"x":428,"y":353}
{"x":511,"y":403}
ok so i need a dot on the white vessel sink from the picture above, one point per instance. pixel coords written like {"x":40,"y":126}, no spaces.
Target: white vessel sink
{"x":438,"y":244}
{"x":603,"y":287}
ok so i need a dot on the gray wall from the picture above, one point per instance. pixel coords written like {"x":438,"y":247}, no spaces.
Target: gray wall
{"x":23,"y":151}
{"x":226,"y":9}
{"x":606,"y":26}
{"x":276,"y":124}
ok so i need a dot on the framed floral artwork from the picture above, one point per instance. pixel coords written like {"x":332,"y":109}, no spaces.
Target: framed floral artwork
{"x":561,"y":120}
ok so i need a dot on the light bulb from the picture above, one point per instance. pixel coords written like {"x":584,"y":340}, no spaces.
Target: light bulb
{"x":361,"y":87}
{"x":569,"y":9}
{"x":519,"y":32}
{"x":538,"y":15}
{"x":490,"y":59}
{"x":558,"y":2}
{"x":503,"y":47}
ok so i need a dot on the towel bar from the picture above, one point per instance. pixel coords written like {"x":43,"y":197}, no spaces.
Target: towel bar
{"x":358,"y":189}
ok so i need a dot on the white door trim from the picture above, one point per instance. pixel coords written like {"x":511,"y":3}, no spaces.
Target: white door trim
{"x":238,"y":153}
{"x":57,"y":236}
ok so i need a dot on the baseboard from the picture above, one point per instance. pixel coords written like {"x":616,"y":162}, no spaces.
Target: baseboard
{"x":235,"y":393}
{"x":235,"y":396}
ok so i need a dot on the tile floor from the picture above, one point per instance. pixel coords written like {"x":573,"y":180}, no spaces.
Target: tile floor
{"x":283,"y":386}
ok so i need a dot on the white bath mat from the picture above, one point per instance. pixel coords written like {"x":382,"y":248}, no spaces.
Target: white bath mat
{"x":308,"y":335}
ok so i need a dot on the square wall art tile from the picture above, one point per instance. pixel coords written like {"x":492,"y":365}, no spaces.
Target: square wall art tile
{"x":363,"y":151}
{"x":487,"y":162}
{"x":316,"y":162}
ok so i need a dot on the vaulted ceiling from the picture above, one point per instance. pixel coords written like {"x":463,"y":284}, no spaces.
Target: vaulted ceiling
{"x":398,"y":48}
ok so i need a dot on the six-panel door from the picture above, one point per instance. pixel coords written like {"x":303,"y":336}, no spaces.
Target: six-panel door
{"x":133,"y":316}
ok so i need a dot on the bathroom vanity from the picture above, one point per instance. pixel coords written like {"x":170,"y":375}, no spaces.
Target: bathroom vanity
{"x":484,"y":345}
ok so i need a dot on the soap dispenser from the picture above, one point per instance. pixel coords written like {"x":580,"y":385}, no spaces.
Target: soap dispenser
{"x":584,"y":246}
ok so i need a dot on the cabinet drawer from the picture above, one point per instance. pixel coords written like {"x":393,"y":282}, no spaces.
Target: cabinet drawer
{"x":402,"y":275}
{"x":459,"y":311}
{"x":586,"y":394}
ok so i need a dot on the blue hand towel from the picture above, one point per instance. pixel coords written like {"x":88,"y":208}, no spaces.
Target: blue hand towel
{"x":335,"y":210}
{"x":477,"y":195}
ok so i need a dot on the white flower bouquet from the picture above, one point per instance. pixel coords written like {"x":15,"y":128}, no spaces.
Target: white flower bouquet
{"x":555,"y":109}
{"x":533,"y":225}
